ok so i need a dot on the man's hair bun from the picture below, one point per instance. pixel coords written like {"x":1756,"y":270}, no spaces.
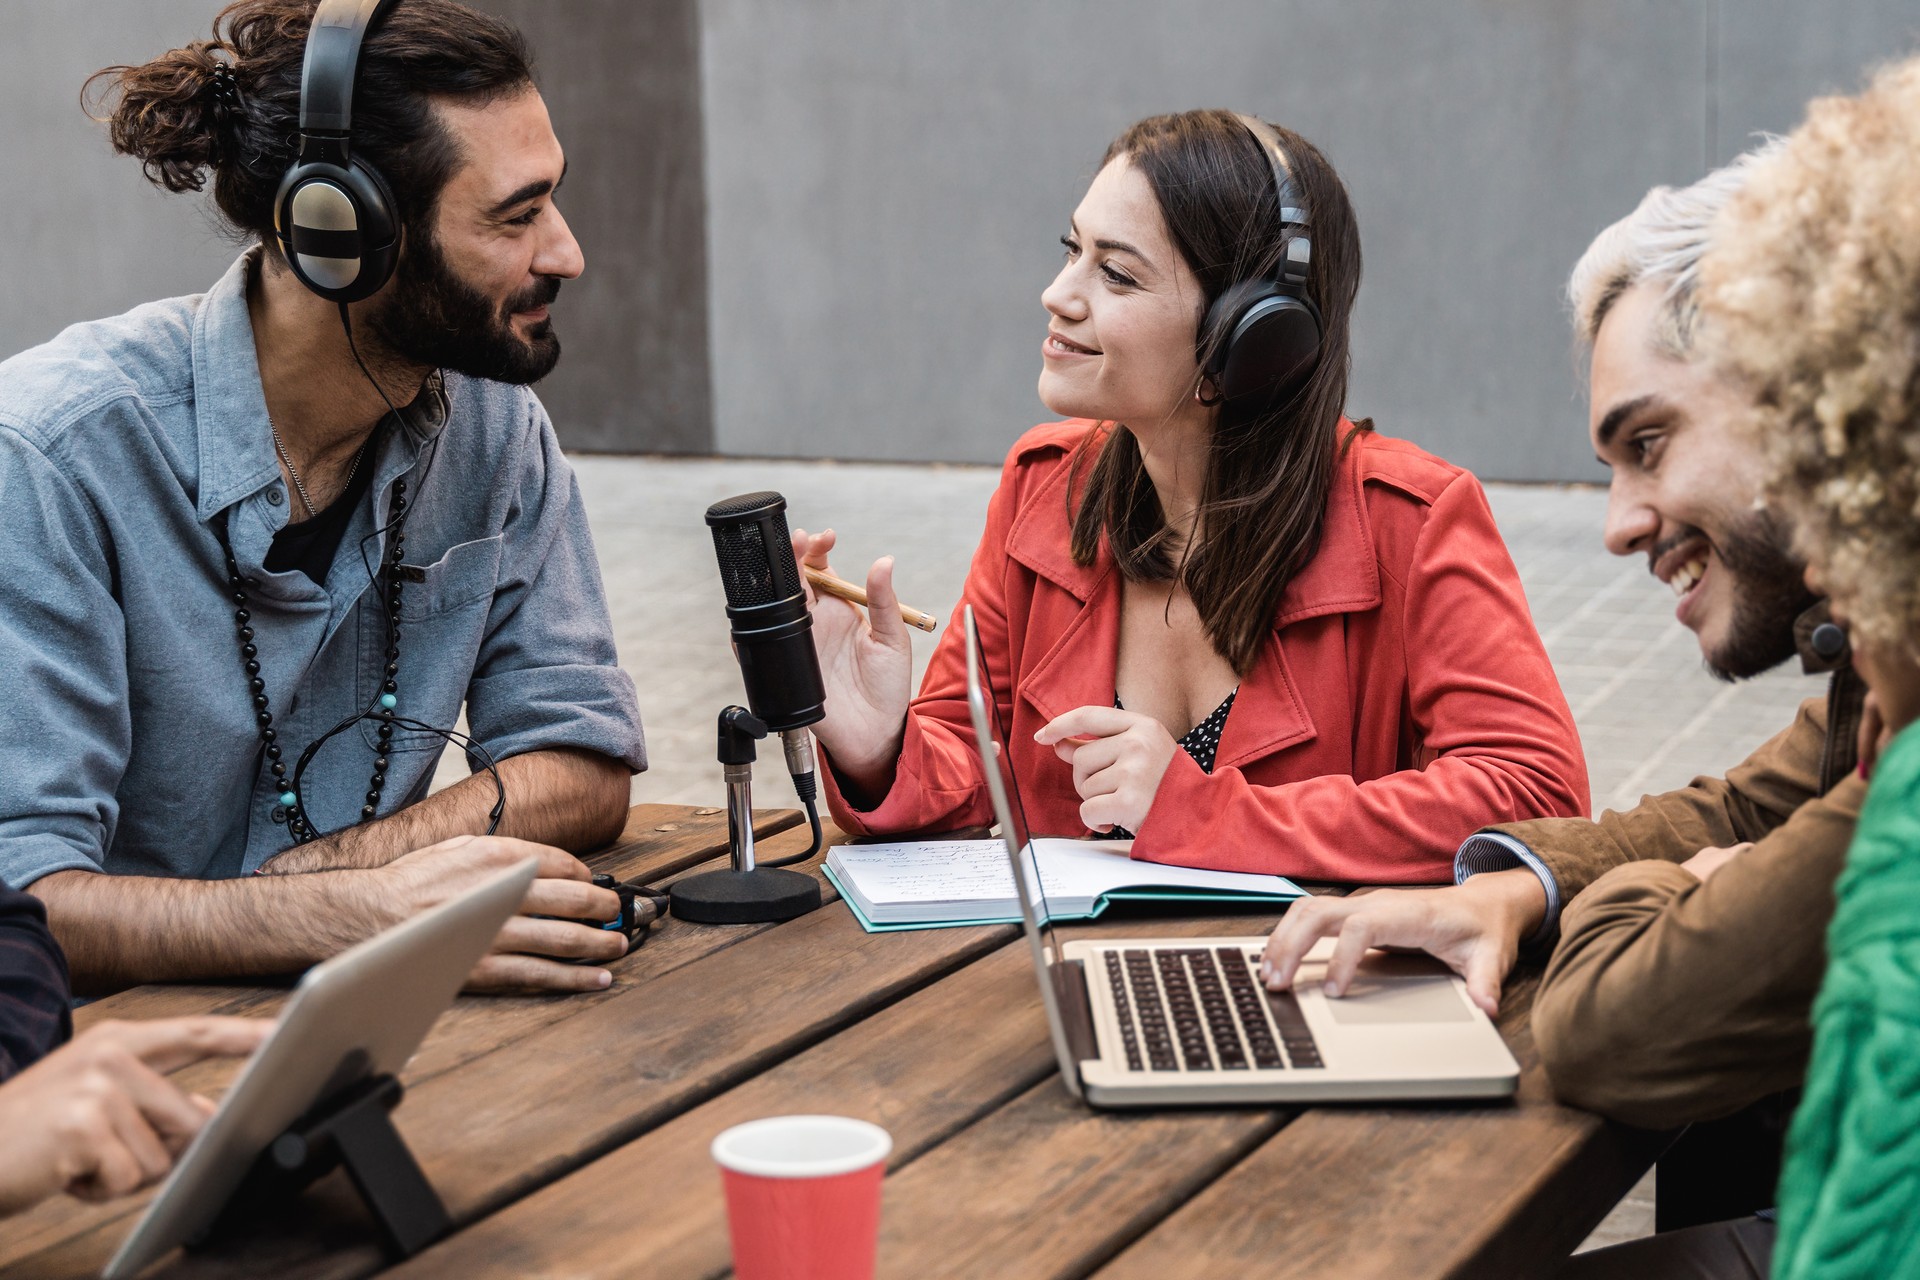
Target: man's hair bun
{"x":177,"y":114}
{"x":224,"y":113}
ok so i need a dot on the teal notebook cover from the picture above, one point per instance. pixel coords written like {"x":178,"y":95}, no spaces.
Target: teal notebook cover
{"x":1100,"y":905}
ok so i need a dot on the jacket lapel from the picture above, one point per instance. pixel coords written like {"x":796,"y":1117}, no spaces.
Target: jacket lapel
{"x":1269,"y":715}
{"x":1344,"y":574}
{"x":1084,"y":611}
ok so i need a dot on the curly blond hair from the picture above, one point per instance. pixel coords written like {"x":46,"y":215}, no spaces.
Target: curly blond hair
{"x":1810,"y":295}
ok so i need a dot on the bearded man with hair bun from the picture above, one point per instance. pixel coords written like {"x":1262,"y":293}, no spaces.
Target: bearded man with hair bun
{"x":201,"y":494}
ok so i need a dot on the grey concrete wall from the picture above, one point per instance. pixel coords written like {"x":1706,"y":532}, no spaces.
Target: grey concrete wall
{"x":821,"y":229}
{"x":83,"y":234}
{"x":1773,"y":55}
{"x":886,"y":182}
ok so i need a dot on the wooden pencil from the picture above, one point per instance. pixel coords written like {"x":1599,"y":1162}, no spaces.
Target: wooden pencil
{"x":827,"y":584}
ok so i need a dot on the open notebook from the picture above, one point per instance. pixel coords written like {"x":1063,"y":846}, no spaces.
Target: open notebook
{"x":939,"y":883}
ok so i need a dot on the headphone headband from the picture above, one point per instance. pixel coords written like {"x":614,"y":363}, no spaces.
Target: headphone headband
{"x":1298,"y":255}
{"x":333,"y":54}
{"x":333,"y":214}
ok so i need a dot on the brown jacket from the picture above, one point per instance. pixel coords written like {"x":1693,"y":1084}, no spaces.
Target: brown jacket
{"x":1670,"y":1001}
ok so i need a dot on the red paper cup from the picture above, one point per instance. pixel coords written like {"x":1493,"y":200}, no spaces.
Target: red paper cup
{"x":803,"y":1196}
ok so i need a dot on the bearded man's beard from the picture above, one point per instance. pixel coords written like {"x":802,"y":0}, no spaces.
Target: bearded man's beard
{"x":1769,"y":592}
{"x":434,"y":318}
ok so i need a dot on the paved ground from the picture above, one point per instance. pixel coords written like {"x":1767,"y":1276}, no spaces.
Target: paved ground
{"x":1649,"y":714}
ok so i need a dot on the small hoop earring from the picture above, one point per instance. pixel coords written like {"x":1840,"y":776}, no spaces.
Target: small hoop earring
{"x":1205,"y":398}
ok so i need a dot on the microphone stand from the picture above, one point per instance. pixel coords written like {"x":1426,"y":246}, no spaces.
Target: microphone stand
{"x":745,"y":893}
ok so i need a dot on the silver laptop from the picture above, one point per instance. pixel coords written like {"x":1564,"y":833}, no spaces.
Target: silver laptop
{"x":1156,"y":1022}
{"x":360,"y":1014}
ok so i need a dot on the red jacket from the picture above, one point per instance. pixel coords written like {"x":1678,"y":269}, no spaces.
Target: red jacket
{"x":1403,"y":701}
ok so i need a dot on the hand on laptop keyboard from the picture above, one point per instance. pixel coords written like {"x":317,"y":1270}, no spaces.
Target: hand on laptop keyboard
{"x":1475,"y":928}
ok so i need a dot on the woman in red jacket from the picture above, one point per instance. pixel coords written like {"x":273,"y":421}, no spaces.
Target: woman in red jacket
{"x":1217,"y":614}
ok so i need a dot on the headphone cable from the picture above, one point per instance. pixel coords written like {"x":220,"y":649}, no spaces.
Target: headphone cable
{"x":472,"y":749}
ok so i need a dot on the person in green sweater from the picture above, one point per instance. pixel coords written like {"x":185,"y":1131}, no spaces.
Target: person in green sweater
{"x":1808,"y":302}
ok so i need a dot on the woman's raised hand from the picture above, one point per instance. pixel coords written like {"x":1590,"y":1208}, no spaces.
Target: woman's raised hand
{"x":866,"y":661}
{"x":1118,"y":759}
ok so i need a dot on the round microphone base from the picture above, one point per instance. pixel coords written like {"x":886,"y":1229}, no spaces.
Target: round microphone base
{"x":758,"y":896}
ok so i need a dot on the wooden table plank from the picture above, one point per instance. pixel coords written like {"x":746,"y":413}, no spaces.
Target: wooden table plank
{"x":658,"y":840}
{"x":511,"y":1120}
{"x":569,"y":1134}
{"x":1047,"y":1186}
{"x":1467,"y":1190}
{"x":923,"y":1068}
{"x":661,"y":840}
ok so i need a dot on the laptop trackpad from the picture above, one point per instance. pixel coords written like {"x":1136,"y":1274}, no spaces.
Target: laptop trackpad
{"x":1398,"y":989}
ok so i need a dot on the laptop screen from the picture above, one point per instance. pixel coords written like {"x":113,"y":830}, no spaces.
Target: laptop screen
{"x":1013,"y":815}
{"x":1063,"y":989}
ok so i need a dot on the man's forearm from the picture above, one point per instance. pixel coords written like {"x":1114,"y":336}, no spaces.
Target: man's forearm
{"x":1671,"y":827}
{"x":121,"y":930}
{"x":1670,"y":1001}
{"x":1755,"y":797}
{"x":571,"y":799}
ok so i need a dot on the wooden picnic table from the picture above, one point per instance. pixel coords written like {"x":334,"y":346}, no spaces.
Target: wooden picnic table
{"x":568,"y":1134}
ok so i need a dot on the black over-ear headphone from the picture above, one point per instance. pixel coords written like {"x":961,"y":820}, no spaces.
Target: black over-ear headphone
{"x":333,"y":213}
{"x":1265,"y":332}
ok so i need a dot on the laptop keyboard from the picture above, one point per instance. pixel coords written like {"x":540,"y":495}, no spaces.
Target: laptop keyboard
{"x":1204,"y":1010}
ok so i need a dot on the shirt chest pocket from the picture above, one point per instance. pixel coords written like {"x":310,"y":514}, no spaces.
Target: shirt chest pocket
{"x":443,"y":620}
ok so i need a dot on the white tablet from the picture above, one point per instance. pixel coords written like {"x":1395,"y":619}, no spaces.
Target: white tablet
{"x":360,"y":1014}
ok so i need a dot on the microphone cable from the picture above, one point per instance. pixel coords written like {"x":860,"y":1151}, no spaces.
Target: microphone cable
{"x":798,"y":745}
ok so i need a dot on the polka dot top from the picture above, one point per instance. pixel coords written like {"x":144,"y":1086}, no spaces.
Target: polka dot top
{"x":1202,"y":742}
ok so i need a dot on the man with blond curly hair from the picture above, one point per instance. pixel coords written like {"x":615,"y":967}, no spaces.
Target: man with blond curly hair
{"x":1825,"y":341}
{"x":1690,"y":926}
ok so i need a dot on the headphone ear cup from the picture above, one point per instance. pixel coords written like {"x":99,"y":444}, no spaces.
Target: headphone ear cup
{"x":1272,"y":346}
{"x":381,"y":253}
{"x":1223,"y":321}
{"x":337,"y":229}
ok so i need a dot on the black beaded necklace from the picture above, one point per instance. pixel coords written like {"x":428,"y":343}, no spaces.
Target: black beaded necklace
{"x":289,"y":805}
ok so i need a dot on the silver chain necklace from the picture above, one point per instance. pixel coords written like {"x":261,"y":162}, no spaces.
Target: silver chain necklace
{"x":280,"y":448}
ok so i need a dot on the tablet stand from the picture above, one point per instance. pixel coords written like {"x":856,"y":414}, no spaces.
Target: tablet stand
{"x":354,"y":1128}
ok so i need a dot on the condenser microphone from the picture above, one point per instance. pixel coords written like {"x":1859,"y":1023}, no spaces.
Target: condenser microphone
{"x":773,"y":642}
{"x":767,"y":607}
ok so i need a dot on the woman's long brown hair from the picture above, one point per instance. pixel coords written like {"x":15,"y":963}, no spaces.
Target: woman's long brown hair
{"x":1265,"y":490}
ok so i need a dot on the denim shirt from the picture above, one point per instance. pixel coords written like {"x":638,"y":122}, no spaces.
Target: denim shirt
{"x":130,"y":744}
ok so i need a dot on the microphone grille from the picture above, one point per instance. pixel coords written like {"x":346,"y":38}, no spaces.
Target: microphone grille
{"x":754,"y":549}
{"x":747,"y":506}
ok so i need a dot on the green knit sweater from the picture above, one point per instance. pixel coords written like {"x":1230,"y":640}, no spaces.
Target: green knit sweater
{"x":1850,"y":1189}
